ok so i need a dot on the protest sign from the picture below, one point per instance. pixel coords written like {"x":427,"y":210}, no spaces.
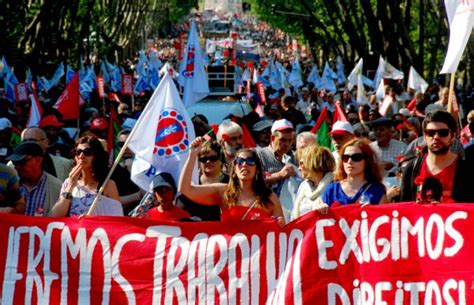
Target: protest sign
{"x":388,"y":254}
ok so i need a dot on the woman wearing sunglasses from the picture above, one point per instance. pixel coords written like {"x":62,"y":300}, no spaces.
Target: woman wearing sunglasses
{"x":90,"y":167}
{"x":244,"y":197}
{"x":358,"y":178}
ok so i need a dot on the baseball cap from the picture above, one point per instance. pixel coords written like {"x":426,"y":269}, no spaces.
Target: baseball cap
{"x":341,"y":127}
{"x":27,"y":148}
{"x":99,"y":123}
{"x":163,"y":179}
{"x":282,"y":124}
{"x":261,"y":125}
{"x":404,"y":111}
{"x":50,"y":120}
{"x":383,"y":121}
{"x":304,"y":89}
{"x":5,"y":123}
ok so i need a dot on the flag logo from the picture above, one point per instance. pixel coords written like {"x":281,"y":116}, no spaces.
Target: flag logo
{"x":189,"y":72}
{"x":171,"y":133}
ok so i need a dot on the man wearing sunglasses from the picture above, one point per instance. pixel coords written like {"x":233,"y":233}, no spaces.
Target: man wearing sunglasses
{"x":452,"y":170}
{"x":39,"y":189}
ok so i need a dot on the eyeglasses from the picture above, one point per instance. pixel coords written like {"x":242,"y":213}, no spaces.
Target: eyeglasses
{"x":34,"y":140}
{"x":357,"y":157}
{"x":250,"y":161}
{"x":209,"y":158}
{"x":443,"y":132}
{"x":86,"y":151}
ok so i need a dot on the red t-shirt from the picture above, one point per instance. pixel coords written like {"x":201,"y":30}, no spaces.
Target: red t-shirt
{"x":446,"y":177}
{"x":175,"y":214}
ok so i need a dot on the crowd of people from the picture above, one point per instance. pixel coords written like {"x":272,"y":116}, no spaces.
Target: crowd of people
{"x":416,"y":151}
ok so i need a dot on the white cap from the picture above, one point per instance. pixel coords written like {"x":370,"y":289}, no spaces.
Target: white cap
{"x":282,"y":124}
{"x":5,"y":123}
{"x":261,"y":125}
{"x":341,"y":127}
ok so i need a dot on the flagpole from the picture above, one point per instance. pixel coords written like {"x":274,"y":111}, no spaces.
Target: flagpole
{"x":451,"y":91}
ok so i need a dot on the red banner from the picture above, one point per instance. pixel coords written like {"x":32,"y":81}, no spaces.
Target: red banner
{"x":100,"y":86}
{"x":261,"y":93}
{"x":389,"y":254}
{"x":127,"y":84}
{"x":21,"y":93}
{"x":233,"y":60}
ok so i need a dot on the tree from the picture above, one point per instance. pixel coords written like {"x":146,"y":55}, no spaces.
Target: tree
{"x":405,"y":32}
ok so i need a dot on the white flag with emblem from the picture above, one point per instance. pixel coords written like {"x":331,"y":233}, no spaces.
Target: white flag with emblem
{"x":161,"y":136}
{"x":192,"y":74}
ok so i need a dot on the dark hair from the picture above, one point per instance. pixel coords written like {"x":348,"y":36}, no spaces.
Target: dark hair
{"x":233,"y":190}
{"x":100,"y":162}
{"x":211,"y":146}
{"x":372,"y":171}
{"x":441,"y":116}
{"x":433,"y":184}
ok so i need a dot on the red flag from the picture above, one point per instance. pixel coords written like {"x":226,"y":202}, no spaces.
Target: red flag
{"x":127,"y":84}
{"x":100,"y":86}
{"x":112,"y":96}
{"x":247,"y":140}
{"x":339,"y":114}
{"x":68,"y":102}
{"x":261,"y":93}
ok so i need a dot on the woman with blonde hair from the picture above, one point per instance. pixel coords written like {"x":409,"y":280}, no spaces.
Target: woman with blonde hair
{"x":317,"y":166}
{"x":358,"y":177}
{"x":244,"y":197}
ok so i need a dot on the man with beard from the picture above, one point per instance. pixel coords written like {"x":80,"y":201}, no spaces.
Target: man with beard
{"x":229,"y":137}
{"x":438,"y":161}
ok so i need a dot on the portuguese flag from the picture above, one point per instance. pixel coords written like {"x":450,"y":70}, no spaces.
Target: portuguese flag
{"x":321,"y":128}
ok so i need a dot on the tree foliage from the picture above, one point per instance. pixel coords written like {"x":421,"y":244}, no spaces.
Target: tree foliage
{"x":405,"y":32}
{"x":41,"y":33}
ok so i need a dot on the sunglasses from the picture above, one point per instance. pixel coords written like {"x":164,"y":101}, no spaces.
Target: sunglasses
{"x":120,"y":144}
{"x":357,"y":157}
{"x":444,"y":132}
{"x":210,"y":158}
{"x":86,"y":151}
{"x":250,"y":161}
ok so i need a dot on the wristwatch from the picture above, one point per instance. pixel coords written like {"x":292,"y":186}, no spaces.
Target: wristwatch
{"x":66,"y":195}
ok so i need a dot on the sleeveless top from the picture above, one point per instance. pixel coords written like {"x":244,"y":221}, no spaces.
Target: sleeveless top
{"x":244,"y":213}
{"x":82,"y":199}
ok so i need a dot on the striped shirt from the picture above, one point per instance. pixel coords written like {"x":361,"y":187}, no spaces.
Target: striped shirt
{"x":35,"y":198}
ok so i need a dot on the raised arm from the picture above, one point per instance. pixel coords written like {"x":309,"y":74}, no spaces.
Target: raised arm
{"x":209,"y":194}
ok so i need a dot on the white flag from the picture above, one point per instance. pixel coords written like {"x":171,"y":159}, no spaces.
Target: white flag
{"x":162,"y":134}
{"x":461,"y":21}
{"x":313,"y":76}
{"x":352,"y":79}
{"x":35,"y":112}
{"x":327,"y":80}
{"x":380,"y":93}
{"x":392,"y":73}
{"x":192,"y":72}
{"x":379,"y":73}
{"x":416,"y":82}
{"x":295,"y":76}
{"x":361,"y":95}
{"x":341,"y":77}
